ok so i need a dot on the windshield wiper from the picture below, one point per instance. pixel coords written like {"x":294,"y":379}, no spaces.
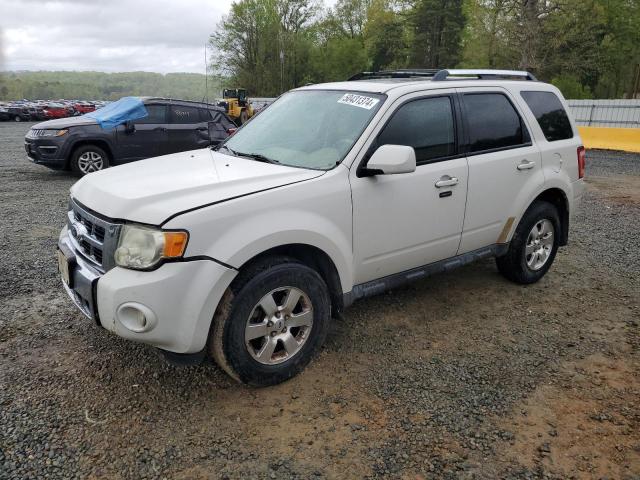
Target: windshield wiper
{"x":257,"y":156}
{"x":221,"y":147}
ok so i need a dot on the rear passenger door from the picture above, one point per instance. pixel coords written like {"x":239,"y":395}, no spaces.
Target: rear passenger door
{"x":504,"y":166}
{"x":188,"y":130}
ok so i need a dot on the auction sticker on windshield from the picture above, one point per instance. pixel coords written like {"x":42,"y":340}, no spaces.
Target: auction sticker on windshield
{"x":359,"y":100}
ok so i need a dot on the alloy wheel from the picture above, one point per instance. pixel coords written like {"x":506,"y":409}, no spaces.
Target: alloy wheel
{"x":90,"y":162}
{"x":539,"y":244}
{"x":279,"y":325}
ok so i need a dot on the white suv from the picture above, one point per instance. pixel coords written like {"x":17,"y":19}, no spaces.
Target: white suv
{"x":335,"y":192}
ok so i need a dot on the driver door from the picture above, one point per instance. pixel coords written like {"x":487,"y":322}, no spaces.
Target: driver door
{"x":148,"y":138}
{"x":409,"y":220}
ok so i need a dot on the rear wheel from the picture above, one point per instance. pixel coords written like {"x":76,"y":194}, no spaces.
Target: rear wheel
{"x":534,"y":245}
{"x":275,"y":321}
{"x":244,"y":116}
{"x":88,"y":159}
{"x":18,"y":118}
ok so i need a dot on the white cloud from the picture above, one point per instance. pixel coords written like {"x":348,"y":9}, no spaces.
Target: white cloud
{"x":114,"y":35}
{"x":108,"y":35}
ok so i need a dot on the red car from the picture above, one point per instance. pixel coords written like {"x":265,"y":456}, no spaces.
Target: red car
{"x":55,"y":110}
{"x":83,"y":108}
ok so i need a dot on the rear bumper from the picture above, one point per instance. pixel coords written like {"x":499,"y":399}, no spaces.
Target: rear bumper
{"x":578,"y":188}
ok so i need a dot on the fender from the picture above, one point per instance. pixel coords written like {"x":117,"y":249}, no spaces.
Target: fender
{"x":556,"y":183}
{"x":316,"y":212}
{"x":88,"y":139}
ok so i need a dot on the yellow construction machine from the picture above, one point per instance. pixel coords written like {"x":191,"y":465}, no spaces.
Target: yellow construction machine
{"x":237,"y":104}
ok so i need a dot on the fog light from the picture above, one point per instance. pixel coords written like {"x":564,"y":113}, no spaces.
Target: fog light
{"x":136,"y":317}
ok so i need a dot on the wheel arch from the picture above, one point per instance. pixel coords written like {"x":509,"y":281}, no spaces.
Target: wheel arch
{"x":313,"y":257}
{"x":100,"y":143}
{"x":558,"y":198}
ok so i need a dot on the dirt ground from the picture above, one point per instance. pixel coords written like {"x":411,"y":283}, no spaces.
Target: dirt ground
{"x":461,"y":375}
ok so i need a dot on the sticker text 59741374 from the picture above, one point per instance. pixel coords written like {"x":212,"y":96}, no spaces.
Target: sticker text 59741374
{"x":361,"y":101}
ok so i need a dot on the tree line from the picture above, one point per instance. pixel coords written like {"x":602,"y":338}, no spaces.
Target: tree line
{"x":588,"y":48}
{"x":104,"y":86}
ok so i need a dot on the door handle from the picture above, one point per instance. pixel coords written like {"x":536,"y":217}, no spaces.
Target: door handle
{"x":203,"y":129}
{"x":159,"y":129}
{"x":446,"y":181}
{"x":526,"y":165}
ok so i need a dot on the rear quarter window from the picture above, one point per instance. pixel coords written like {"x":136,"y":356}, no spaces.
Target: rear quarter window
{"x":550,"y":114}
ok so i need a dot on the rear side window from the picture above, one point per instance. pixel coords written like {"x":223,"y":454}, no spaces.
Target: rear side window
{"x":182,"y":114}
{"x":493,"y":122}
{"x":550,"y":114}
{"x":426,"y":125}
{"x":156,"y":114}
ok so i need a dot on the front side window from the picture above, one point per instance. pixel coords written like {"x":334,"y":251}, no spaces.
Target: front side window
{"x":156,"y":114}
{"x":181,"y":114}
{"x":427,"y":125}
{"x":550,"y":114}
{"x":307,"y":128}
{"x":493,"y":122}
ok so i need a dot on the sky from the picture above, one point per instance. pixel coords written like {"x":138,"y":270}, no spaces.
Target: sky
{"x":108,"y":35}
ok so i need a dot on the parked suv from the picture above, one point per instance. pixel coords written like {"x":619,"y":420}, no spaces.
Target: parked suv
{"x":18,"y":113}
{"x":334,"y":193}
{"x":80,"y":144}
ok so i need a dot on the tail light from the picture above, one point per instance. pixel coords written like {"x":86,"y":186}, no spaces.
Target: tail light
{"x":582,"y":161}
{"x":231,"y":131}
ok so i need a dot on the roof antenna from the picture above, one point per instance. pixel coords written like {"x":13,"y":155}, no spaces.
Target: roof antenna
{"x":206,"y":85}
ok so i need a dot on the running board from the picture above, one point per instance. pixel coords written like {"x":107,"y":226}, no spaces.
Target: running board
{"x":381,"y":285}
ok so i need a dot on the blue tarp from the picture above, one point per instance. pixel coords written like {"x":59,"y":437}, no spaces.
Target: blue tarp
{"x":117,"y":113}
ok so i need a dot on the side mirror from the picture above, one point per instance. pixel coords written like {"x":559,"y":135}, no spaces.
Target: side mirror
{"x":391,"y":160}
{"x":129,"y":127}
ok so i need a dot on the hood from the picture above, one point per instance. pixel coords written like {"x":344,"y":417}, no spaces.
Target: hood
{"x":65,"y":122}
{"x":150,"y":191}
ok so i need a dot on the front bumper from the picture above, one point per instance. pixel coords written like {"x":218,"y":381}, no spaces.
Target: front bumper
{"x":179,"y":299}
{"x":50,"y":152}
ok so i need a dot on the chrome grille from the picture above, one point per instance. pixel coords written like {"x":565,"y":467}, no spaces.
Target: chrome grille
{"x":34,"y":133}
{"x":92,"y":237}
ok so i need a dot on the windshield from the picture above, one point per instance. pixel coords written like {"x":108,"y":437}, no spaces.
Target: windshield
{"x":308,"y":128}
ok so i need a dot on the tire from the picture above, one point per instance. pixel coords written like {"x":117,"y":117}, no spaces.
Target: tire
{"x":534,"y":245}
{"x":244,"y":116}
{"x":87,"y":159}
{"x":244,"y":332}
{"x":17,"y":118}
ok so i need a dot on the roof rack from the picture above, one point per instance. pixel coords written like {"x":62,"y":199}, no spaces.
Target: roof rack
{"x":401,"y":73}
{"x":484,"y":74}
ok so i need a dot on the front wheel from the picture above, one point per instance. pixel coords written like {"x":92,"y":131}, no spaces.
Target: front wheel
{"x":275,"y":322}
{"x":534,"y":245}
{"x":18,"y":118}
{"x":88,"y":159}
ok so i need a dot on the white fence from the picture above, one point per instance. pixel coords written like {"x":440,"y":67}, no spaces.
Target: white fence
{"x":606,"y":113}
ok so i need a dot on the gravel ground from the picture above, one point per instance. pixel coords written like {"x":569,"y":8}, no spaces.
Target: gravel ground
{"x":462,"y":375}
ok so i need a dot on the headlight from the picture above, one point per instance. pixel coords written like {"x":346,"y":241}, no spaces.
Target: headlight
{"x":141,"y":248}
{"x":53,"y":133}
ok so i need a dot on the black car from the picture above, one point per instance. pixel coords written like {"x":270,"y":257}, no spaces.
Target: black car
{"x":18,"y":113}
{"x":81,"y":145}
